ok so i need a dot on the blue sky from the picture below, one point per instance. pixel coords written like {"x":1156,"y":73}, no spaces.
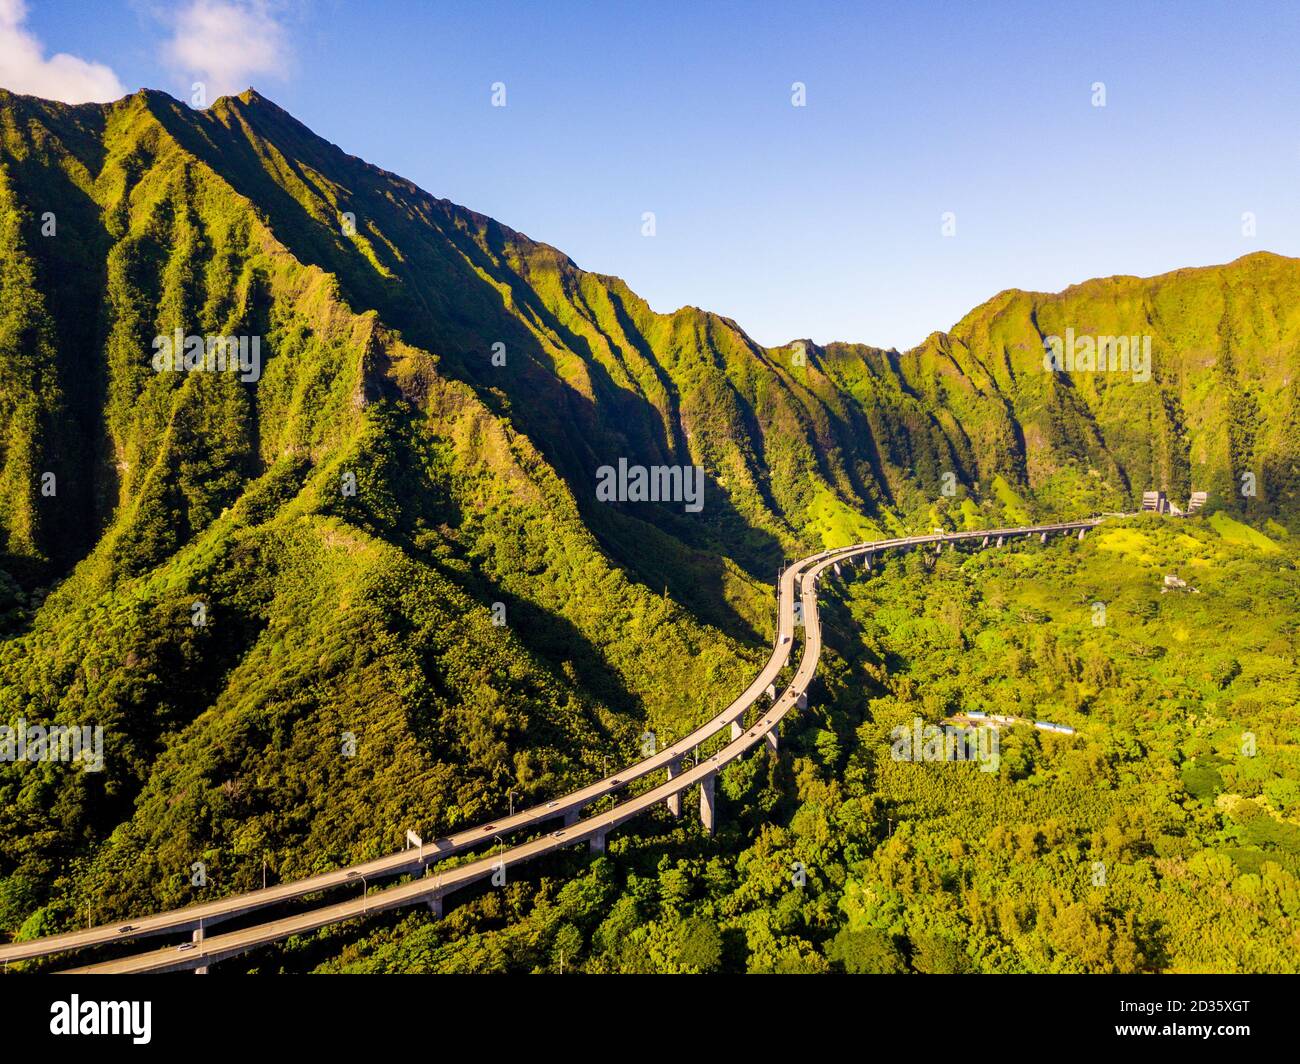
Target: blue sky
{"x":823,"y":221}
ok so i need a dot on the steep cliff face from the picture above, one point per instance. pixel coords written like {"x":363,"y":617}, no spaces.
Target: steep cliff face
{"x":1215,"y":398}
{"x":167,"y":217}
{"x":313,"y":602}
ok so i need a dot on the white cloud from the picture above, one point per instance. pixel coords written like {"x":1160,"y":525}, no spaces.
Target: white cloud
{"x":226,"y":43}
{"x":24,"y":67}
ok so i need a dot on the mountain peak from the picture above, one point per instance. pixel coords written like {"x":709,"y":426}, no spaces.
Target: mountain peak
{"x":251,"y":99}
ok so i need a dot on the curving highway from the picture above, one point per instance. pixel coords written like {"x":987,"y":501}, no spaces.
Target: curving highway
{"x":798,"y":579}
{"x":401,"y":862}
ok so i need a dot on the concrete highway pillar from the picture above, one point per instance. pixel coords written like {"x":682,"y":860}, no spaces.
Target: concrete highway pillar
{"x":738,"y":727}
{"x":196,"y":938}
{"x":986,"y":542}
{"x":1043,"y":538}
{"x":675,"y":800}
{"x":706,"y":802}
{"x":773,"y":737}
{"x":866,"y":562}
{"x":598,"y":843}
{"x":1081,"y":532}
{"x":999,"y":541}
{"x":771,"y":691}
{"x":436,"y":906}
{"x":802,"y":700}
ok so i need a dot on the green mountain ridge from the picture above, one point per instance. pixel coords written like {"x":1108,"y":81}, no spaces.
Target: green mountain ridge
{"x":372,"y":613}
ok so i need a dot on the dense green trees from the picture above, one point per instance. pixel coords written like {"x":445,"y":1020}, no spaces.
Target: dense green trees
{"x":1104,"y":851}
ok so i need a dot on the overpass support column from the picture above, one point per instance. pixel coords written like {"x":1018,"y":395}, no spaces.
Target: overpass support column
{"x":866,"y":560}
{"x":771,"y":692}
{"x":675,"y":800}
{"x":986,"y":542}
{"x":598,"y":843}
{"x":436,"y":906}
{"x":1081,"y":532}
{"x":196,"y":938}
{"x":773,"y":736}
{"x":738,"y":727}
{"x":802,"y":701}
{"x":707,"y":812}
{"x":1042,"y":538}
{"x":999,"y":541}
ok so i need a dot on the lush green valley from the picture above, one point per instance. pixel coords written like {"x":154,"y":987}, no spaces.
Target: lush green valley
{"x":371,"y":587}
{"x":1164,"y":835}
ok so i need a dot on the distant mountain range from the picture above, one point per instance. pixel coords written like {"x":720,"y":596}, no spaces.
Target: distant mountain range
{"x":384,"y":522}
